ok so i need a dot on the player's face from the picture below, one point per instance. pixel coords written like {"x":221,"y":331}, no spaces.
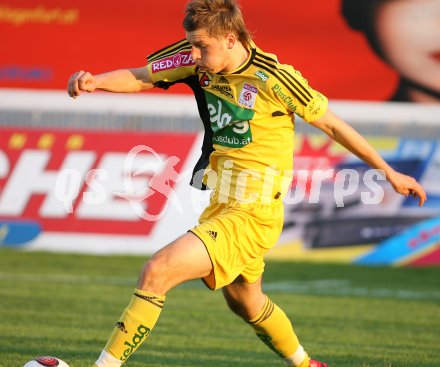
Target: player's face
{"x":409,"y":34}
{"x":211,"y":54}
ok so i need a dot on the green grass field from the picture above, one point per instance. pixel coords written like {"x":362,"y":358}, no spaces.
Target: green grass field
{"x":66,"y":306}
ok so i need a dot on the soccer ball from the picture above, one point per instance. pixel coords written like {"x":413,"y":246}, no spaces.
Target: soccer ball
{"x":46,"y":362}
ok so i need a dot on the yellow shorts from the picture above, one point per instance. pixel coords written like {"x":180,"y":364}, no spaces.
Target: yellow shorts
{"x":237,"y":236}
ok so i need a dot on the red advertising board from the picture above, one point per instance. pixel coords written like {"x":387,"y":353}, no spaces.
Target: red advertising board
{"x":43,"y":42}
{"x":79,"y":181}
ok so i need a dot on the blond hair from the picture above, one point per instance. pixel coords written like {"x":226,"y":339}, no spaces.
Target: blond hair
{"x":217,"y":17}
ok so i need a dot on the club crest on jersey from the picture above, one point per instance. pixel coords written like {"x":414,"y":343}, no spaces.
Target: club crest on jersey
{"x":173,"y":62}
{"x":204,"y":80}
{"x":248,"y":96}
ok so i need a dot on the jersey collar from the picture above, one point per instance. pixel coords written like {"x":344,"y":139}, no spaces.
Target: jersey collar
{"x":245,"y":66}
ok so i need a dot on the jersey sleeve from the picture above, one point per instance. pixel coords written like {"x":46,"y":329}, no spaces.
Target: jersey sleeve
{"x":171,"y":64}
{"x":309,"y":104}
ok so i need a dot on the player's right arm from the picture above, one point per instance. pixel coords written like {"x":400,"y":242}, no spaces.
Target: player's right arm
{"x":117,"y":81}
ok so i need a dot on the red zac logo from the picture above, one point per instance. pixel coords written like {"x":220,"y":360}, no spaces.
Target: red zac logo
{"x":173,"y":62}
{"x":87,"y":170}
{"x":177,"y":60}
{"x":204,"y":80}
{"x":47,"y":361}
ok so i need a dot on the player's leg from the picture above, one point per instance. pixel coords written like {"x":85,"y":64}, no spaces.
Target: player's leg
{"x":184,"y":259}
{"x":270,"y":323}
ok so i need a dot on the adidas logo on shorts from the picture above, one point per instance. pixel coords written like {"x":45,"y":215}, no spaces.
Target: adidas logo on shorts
{"x":212,"y":234}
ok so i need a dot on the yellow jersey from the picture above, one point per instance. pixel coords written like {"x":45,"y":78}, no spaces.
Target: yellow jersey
{"x":248,"y":115}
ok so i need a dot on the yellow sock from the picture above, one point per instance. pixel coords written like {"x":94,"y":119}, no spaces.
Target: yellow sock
{"x":275,"y":330}
{"x":134,"y":326}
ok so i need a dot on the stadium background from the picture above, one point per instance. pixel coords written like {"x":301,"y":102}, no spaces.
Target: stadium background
{"x":44,"y":132}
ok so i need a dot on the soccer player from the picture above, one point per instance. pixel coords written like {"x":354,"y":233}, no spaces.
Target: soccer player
{"x":247,"y":101}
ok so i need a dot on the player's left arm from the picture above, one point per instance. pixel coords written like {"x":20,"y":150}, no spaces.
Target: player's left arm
{"x":344,"y":134}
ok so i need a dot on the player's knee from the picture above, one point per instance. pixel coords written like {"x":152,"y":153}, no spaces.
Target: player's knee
{"x":247,"y":305}
{"x":153,"y":277}
{"x":240,"y":307}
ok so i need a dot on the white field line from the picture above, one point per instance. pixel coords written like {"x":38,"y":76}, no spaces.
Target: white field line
{"x":326,"y":287}
{"x":330,"y":287}
{"x":67,"y":279}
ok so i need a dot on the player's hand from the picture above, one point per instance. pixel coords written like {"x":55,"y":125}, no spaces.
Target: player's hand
{"x":81,"y":81}
{"x":407,"y":185}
